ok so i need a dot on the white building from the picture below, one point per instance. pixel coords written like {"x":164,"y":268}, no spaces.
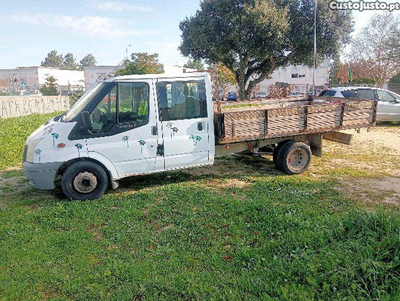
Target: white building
{"x":95,"y":74}
{"x":32,"y":78}
{"x":300,"y":77}
{"x":176,"y":70}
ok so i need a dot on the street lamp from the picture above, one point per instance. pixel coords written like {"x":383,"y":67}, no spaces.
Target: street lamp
{"x":126,"y":50}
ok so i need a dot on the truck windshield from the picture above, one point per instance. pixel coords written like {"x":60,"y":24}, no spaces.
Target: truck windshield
{"x":77,"y":108}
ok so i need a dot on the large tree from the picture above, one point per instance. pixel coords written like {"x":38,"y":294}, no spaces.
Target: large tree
{"x":142,"y":63}
{"x":377,"y":46}
{"x":69,"y":62}
{"x":255,"y":37}
{"x":88,"y":60}
{"x":194,"y":64}
{"x":53,"y":59}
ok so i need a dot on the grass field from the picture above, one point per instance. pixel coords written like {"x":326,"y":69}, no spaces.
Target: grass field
{"x":237,"y":231}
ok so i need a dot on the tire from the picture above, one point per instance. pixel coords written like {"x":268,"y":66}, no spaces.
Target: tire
{"x":296,"y":158}
{"x":277,"y":153}
{"x":84,"y":180}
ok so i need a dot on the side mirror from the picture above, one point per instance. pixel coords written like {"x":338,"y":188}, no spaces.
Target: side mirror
{"x":86,"y":120}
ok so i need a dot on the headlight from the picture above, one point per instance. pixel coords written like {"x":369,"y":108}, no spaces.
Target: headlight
{"x":30,"y":153}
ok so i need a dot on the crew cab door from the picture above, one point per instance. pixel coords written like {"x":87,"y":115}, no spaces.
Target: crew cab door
{"x":123,"y":122}
{"x":185,"y":128}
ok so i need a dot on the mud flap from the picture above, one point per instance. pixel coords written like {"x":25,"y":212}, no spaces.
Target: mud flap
{"x":338,"y":137}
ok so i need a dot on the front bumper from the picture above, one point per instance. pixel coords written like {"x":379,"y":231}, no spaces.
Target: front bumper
{"x":41,"y":175}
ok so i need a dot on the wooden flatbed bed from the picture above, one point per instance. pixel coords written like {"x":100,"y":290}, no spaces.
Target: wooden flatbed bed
{"x":291,"y":117}
{"x":291,"y":129}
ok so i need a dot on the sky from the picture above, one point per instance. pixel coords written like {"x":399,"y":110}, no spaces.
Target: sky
{"x":29,"y":29}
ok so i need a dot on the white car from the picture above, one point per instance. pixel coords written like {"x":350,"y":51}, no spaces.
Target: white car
{"x":388,"y":101}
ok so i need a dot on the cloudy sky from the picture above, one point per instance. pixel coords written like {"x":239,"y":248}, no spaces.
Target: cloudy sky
{"x":30,"y":29}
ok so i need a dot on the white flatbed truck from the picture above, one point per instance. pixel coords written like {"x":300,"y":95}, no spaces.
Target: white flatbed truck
{"x":134,"y":125}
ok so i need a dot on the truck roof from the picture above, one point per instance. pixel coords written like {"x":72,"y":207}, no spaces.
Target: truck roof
{"x":159,"y":76}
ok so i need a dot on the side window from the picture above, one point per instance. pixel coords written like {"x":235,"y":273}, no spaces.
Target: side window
{"x":104,"y":115}
{"x":385,"y":96}
{"x":133,"y":103}
{"x":182,"y":100}
{"x":366,"y":94}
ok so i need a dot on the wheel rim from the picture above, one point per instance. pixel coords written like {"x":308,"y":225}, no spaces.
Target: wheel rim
{"x":297,"y":159}
{"x":85,"y":182}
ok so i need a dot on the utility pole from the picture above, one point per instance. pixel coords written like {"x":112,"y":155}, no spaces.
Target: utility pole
{"x":315,"y":46}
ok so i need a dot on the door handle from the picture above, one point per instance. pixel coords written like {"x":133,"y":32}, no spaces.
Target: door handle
{"x":160,"y":150}
{"x":200,"y":126}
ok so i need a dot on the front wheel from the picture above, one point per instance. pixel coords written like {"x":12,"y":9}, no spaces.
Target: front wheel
{"x":84,"y":180}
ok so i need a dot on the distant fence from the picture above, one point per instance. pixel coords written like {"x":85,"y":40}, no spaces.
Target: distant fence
{"x":15,"y":106}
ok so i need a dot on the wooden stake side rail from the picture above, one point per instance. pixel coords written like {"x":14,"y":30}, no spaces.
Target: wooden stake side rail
{"x":296,"y":118}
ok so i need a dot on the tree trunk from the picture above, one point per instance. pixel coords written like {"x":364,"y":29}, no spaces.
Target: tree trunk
{"x":243,"y":92}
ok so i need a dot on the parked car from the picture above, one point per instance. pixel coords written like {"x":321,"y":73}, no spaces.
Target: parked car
{"x":388,"y":101}
{"x":232,"y":96}
{"x":261,"y":95}
{"x":295,"y":94}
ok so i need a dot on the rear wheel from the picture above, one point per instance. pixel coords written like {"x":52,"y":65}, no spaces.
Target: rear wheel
{"x":296,"y":158}
{"x":84,"y":180}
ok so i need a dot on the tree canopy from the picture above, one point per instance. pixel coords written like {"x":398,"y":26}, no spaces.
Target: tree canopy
{"x":254,"y":37}
{"x":394,"y":83}
{"x":69,"y":62}
{"x":226,"y":78}
{"x":194,"y":64}
{"x":88,"y":60}
{"x":53,"y":59}
{"x":142,"y":63}
{"x":377,"y":47}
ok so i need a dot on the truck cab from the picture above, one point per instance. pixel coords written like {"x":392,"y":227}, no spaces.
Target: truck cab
{"x":125,"y":126}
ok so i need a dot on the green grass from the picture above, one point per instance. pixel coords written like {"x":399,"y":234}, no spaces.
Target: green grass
{"x":282,"y":237}
{"x":13,"y":134}
{"x":247,"y":234}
